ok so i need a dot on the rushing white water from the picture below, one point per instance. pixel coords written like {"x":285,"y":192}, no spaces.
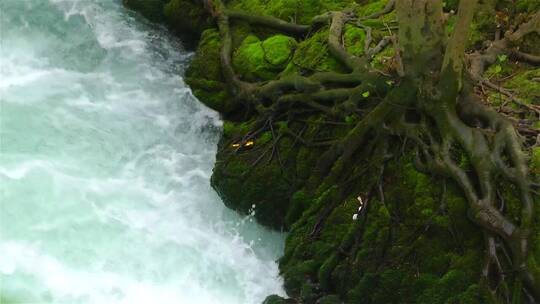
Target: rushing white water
{"x":104,"y":168}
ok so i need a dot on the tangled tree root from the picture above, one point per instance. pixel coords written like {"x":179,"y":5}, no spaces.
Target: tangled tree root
{"x":432,"y":104}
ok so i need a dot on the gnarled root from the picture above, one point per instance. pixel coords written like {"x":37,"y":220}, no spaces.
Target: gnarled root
{"x":492,"y":146}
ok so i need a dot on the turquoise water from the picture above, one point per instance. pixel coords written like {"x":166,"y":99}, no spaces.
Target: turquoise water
{"x":105,"y":164}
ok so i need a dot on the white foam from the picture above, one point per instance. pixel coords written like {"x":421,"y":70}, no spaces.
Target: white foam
{"x":20,"y":171}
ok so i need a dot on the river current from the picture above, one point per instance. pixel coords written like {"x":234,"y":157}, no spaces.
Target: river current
{"x":105,"y":161}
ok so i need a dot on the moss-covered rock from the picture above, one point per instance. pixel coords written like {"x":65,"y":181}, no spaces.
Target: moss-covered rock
{"x":274,"y":299}
{"x":151,"y":9}
{"x":313,"y":55}
{"x":258,"y":60}
{"x":408,"y":245}
{"x":204,"y":74}
{"x":187,"y":17}
{"x":412,"y":244}
{"x":265,"y":192}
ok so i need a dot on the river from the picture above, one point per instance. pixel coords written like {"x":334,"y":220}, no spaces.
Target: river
{"x":105,"y":162}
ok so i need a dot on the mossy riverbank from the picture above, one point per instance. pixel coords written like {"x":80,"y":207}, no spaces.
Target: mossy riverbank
{"x":411,"y":239}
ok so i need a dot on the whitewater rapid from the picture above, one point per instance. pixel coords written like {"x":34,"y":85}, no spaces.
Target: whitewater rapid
{"x":105,"y":160}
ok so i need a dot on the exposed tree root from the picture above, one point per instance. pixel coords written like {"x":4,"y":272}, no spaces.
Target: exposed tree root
{"x":526,"y":57}
{"x":480,"y":60}
{"x":507,"y":93}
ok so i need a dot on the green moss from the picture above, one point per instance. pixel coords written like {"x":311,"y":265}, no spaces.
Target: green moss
{"x":284,"y":9}
{"x":418,"y":243}
{"x":484,"y":23}
{"x":290,"y":10}
{"x":527,"y":88}
{"x":268,"y":187}
{"x":242,"y":192}
{"x":298,"y":273}
{"x":151,"y":9}
{"x":382,"y":59}
{"x":212,"y":93}
{"x":206,"y":63}
{"x":354,"y":38}
{"x":299,"y":202}
{"x":312,"y":54}
{"x":305,"y":161}
{"x":472,"y":295}
{"x":448,"y":289}
{"x":278,"y":49}
{"x":371,"y":7}
{"x":522,"y":83}
{"x":502,"y":68}
{"x":535,"y":161}
{"x":531,"y":44}
{"x":339,"y":231}
{"x":362,"y":292}
{"x":330,"y":299}
{"x":325,"y":272}
{"x":204,"y":74}
{"x":235,"y":129}
{"x":263,"y":60}
{"x":264,"y":138}
{"x":186,"y":16}
{"x":527,"y":5}
{"x":476,"y":36}
{"x":274,"y":299}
